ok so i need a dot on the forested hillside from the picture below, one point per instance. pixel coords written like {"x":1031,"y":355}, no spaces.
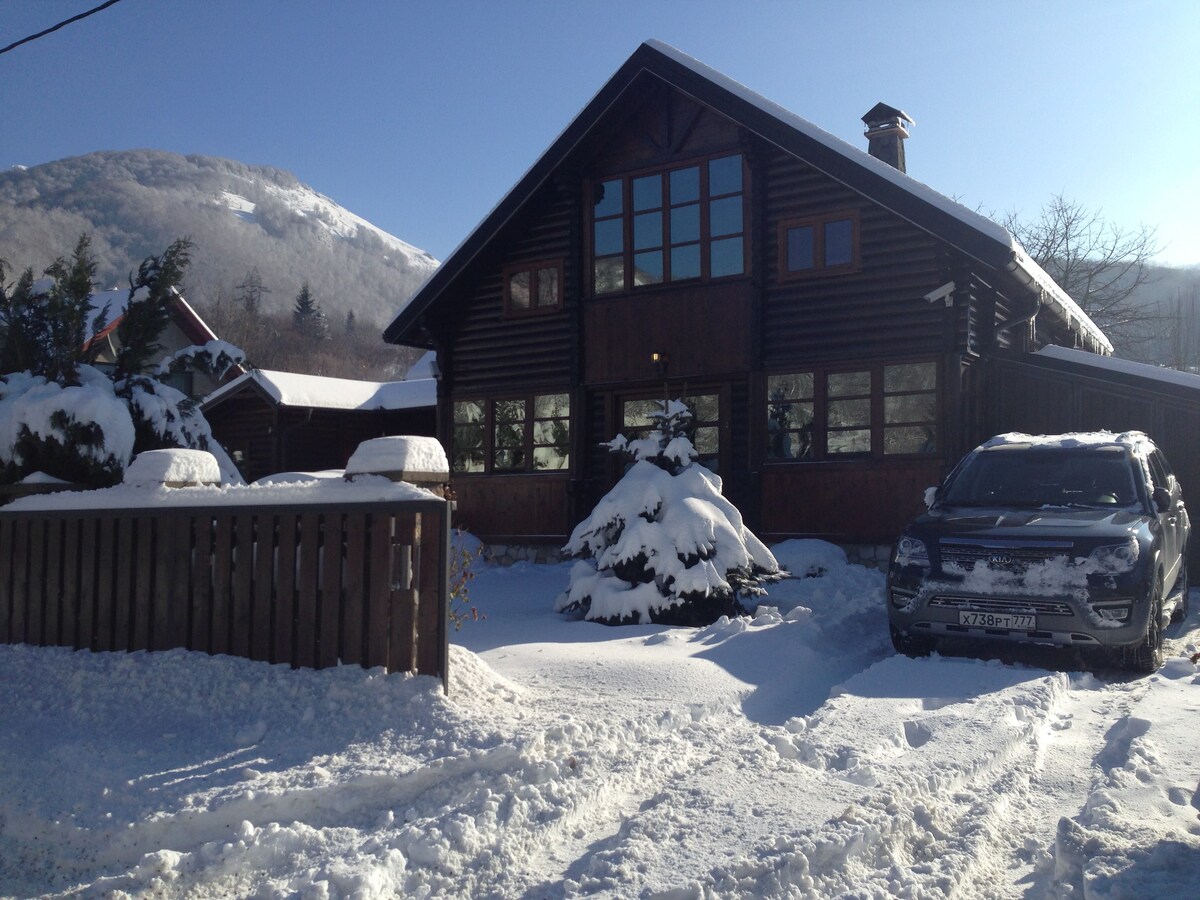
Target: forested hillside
{"x":254,"y":229}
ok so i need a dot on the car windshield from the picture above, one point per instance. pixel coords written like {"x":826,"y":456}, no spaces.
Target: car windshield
{"x":1033,"y":478}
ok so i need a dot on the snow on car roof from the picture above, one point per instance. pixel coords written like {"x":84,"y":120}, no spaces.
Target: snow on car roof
{"x":1136,"y":441}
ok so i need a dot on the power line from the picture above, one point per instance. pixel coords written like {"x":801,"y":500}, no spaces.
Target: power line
{"x":83,"y":15}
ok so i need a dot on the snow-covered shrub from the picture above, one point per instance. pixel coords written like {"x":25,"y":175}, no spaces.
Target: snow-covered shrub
{"x":80,"y":433}
{"x":65,"y":418}
{"x":664,"y":545}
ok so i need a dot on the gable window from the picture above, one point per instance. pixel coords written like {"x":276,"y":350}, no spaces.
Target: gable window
{"x":870,"y":411}
{"x":512,"y":434}
{"x":677,"y":224}
{"x":818,"y":246}
{"x":533,"y":288}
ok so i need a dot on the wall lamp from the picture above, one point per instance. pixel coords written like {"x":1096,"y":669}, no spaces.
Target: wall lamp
{"x":659,"y":360}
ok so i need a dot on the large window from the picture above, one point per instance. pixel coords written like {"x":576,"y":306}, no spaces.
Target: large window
{"x":818,"y":246}
{"x":533,"y":288}
{"x":868,"y":411}
{"x":513,"y":434}
{"x":671,"y":225}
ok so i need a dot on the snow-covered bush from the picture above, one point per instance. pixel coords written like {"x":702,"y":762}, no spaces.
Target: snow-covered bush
{"x":664,"y":545}
{"x":80,"y":433}
{"x":61,"y":416}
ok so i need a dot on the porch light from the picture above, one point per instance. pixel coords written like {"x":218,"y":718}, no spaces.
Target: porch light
{"x":659,"y":360}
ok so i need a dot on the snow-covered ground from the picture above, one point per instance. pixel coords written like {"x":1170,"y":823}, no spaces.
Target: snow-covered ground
{"x":785,"y":755}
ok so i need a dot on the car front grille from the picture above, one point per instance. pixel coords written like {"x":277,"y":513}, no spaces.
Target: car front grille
{"x":1017,"y":605}
{"x":1004,"y":557}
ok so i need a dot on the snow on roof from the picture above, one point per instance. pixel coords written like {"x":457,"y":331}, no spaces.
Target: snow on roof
{"x":1124,"y":366}
{"x":1021,"y":262}
{"x":319,"y":392}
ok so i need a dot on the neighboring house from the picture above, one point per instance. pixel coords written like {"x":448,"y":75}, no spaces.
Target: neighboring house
{"x":272,"y":422}
{"x":184,"y":329}
{"x":826,"y":316}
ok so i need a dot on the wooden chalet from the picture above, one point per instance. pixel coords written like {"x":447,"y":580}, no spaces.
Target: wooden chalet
{"x":826,"y":316}
{"x":271,"y":422}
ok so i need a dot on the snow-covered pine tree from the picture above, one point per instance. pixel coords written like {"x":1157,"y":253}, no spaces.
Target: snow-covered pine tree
{"x":664,"y":546}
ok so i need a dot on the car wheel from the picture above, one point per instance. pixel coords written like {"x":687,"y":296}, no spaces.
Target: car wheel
{"x":1181,"y":586}
{"x":1146,"y":656}
{"x":911,"y":644}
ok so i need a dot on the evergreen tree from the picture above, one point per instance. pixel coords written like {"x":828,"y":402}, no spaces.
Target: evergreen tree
{"x":43,"y":329}
{"x":351,"y":323}
{"x":664,"y":546}
{"x":147,"y":312}
{"x":307,"y":316}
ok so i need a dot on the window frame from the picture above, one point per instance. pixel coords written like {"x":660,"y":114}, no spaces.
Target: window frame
{"x":878,"y":426}
{"x":529,"y":444}
{"x":533,"y":268}
{"x":819,"y":269}
{"x":628,"y":214}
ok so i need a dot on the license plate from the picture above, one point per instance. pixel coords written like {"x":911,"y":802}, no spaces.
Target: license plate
{"x":997,"y":620}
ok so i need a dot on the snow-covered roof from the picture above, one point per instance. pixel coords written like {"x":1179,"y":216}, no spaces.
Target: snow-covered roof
{"x":319,"y":392}
{"x":974,"y":234}
{"x":1124,"y":366}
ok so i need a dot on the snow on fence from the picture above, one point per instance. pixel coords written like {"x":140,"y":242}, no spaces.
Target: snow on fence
{"x":360,"y":583}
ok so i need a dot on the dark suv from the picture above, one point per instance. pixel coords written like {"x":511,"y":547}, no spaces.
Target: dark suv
{"x":1074,"y":540}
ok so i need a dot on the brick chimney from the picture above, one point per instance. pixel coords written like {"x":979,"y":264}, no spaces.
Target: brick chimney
{"x":886,"y":133}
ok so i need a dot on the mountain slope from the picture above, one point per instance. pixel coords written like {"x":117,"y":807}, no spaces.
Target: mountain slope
{"x":240,"y":217}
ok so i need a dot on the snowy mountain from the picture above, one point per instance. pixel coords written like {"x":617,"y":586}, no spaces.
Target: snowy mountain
{"x":240,"y":217}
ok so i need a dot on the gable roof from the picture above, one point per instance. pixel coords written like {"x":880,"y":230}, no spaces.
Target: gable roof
{"x":318,"y":392}
{"x":970,"y":232}
{"x":183,"y":314}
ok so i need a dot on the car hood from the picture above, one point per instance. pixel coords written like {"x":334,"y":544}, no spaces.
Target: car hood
{"x":1016,"y":524}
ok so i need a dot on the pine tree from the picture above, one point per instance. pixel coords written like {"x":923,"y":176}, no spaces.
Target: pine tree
{"x":664,"y":546}
{"x":147,"y":312}
{"x":44,"y":330}
{"x":351,"y":323}
{"x":307,"y":316}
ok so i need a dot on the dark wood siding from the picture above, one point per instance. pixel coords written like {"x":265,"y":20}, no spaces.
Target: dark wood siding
{"x":494,"y":353}
{"x":704,"y":329}
{"x":850,"y":502}
{"x":877,"y":311}
{"x":504,"y":509}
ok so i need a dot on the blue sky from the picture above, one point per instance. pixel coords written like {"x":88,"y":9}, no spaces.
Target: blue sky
{"x":419,"y":115}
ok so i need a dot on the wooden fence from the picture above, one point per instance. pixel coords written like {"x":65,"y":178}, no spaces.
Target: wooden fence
{"x":313,"y":585}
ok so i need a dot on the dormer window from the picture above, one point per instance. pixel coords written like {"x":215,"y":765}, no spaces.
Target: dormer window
{"x":533,"y":288}
{"x":679,"y":224}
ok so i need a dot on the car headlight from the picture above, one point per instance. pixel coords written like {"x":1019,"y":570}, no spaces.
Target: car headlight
{"x":911,"y":551}
{"x":1116,"y":558}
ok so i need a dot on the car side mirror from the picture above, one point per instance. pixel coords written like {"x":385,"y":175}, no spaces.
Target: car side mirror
{"x":1162,"y":499}
{"x":931,"y":495}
